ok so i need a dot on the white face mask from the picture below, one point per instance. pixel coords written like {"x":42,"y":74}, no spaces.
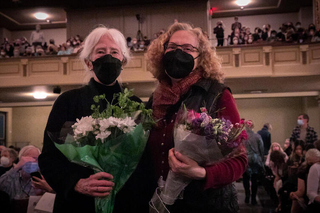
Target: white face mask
{"x":5,"y":161}
{"x":300,"y":122}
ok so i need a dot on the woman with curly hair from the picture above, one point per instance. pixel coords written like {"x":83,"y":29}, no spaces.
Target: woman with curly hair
{"x":188,"y":71}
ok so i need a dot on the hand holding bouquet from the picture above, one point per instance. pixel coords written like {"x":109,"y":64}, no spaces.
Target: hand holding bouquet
{"x":111,"y":140}
{"x":205,"y":140}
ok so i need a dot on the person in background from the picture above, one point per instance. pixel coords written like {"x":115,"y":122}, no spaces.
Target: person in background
{"x":236,"y":24}
{"x":287,"y":147}
{"x":2,"y":148}
{"x":254,"y":148}
{"x":313,"y":184}
{"x":266,"y":137}
{"x":17,"y":182}
{"x":275,"y":147}
{"x":37,"y":37}
{"x":317,"y":144}
{"x":8,"y":157}
{"x":299,"y":198}
{"x":303,"y":131}
{"x":52,"y":48}
{"x":219,"y":31}
{"x":297,"y":156}
{"x":278,"y":167}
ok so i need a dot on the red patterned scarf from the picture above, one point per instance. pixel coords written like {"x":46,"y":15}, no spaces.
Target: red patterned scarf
{"x":167,"y":95}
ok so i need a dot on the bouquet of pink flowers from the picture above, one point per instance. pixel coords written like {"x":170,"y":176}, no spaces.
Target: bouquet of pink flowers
{"x":204,"y":139}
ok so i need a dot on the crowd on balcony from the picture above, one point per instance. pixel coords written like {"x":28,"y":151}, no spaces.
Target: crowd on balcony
{"x":287,"y":32}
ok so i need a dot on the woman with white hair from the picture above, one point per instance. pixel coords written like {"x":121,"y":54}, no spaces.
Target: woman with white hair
{"x":313,"y":182}
{"x":17,"y":182}
{"x":104,"y":55}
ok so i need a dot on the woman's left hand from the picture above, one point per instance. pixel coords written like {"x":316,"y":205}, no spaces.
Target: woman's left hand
{"x":41,"y":184}
{"x":185,"y":166}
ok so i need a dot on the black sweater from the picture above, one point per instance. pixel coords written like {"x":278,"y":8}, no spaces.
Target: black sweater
{"x":59,"y":172}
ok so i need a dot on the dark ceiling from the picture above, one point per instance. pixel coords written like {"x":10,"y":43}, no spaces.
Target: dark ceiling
{"x":16,"y":15}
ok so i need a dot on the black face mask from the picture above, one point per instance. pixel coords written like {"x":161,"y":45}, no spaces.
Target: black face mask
{"x":107,"y":69}
{"x":178,"y":64}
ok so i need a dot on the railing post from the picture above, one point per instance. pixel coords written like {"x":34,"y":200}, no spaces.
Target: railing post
{"x":267,"y":55}
{"x":304,"y":55}
{"x":24,"y":63}
{"x":65,"y":61}
{"x":236,"y":52}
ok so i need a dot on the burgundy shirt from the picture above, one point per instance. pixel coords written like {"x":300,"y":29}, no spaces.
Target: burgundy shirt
{"x":220,"y":174}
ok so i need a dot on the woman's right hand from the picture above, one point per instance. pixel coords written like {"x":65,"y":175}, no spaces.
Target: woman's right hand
{"x":23,"y":160}
{"x":97,"y":185}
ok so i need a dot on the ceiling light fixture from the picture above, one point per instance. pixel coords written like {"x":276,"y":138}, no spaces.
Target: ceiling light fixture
{"x":242,"y":3}
{"x":41,"y":16}
{"x":40,"y":95}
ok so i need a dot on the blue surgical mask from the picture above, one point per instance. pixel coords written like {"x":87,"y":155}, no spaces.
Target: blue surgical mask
{"x":30,"y":167}
{"x":300,"y":122}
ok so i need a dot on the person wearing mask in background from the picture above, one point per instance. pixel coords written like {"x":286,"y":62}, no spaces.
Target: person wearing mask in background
{"x":37,"y":37}
{"x":266,"y":137}
{"x":303,"y":131}
{"x":254,"y":148}
{"x":219,"y":31}
{"x":8,"y":157}
{"x":17,"y":182}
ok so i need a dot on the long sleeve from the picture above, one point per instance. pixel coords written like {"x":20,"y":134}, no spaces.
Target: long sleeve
{"x":225,"y":172}
{"x":260,"y":146}
{"x":228,"y":107}
{"x":229,"y":170}
{"x":313,"y":182}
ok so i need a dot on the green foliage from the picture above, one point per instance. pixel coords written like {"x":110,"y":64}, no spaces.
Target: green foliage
{"x":123,"y":108}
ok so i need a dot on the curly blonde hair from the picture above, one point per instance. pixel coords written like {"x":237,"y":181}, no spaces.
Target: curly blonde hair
{"x":208,"y":62}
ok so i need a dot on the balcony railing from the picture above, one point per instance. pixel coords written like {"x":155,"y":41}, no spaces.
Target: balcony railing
{"x":237,"y":62}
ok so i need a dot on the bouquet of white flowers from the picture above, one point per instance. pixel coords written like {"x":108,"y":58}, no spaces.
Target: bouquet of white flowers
{"x":109,"y":141}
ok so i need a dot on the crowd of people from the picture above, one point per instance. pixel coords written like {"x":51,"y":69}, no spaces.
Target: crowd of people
{"x":287,"y":32}
{"x":37,"y":46}
{"x":290,"y":174}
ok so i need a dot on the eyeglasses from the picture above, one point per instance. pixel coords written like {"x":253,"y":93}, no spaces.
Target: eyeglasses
{"x":184,"y":47}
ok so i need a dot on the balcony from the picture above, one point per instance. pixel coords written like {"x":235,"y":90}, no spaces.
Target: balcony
{"x":255,"y":68}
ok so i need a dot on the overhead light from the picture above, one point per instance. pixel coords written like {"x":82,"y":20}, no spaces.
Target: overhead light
{"x":41,"y":16}
{"x":242,"y":3}
{"x":40,"y":95}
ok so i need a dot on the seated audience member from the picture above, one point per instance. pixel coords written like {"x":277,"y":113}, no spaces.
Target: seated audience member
{"x":313,"y":183}
{"x":39,"y":51}
{"x":64,"y":50}
{"x":52,"y":48}
{"x":17,"y":182}
{"x":274,"y":147}
{"x":317,"y":144}
{"x":281,"y":34}
{"x":266,"y":32}
{"x":273,"y":36}
{"x":296,"y":157}
{"x":3,"y":53}
{"x":250,"y":39}
{"x":129,"y":43}
{"x":299,"y":197}
{"x":8,"y":157}
{"x":235,"y":40}
{"x":278,"y":167}
{"x":257,"y":34}
{"x":287,"y":147}
{"x":8,"y":48}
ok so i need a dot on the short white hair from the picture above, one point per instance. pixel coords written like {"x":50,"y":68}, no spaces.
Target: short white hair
{"x":313,"y":155}
{"x":93,"y":38}
{"x":25,"y":149}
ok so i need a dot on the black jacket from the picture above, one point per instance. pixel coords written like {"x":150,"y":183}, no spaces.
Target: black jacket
{"x":266,"y":138}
